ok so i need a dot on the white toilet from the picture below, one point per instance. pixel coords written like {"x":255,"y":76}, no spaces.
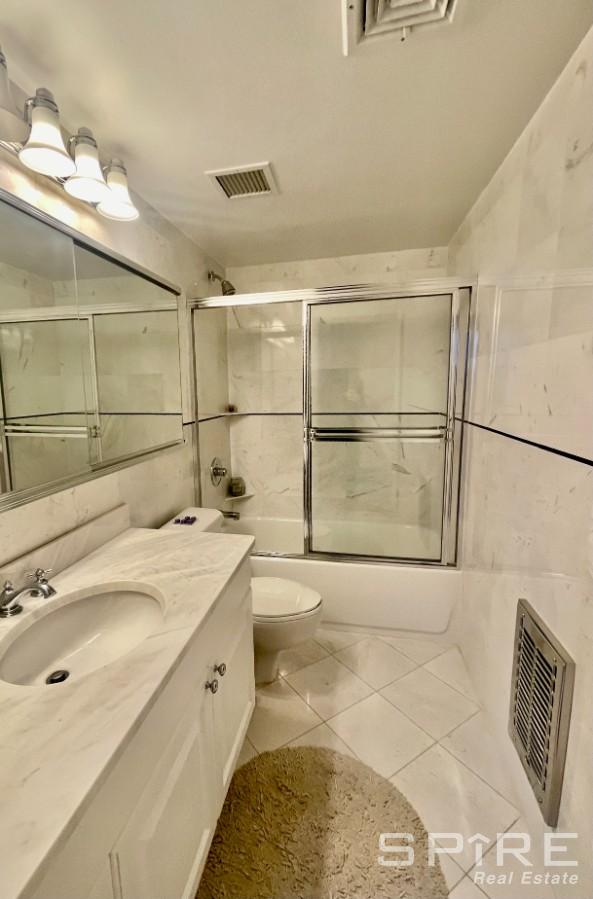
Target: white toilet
{"x":285,"y":613}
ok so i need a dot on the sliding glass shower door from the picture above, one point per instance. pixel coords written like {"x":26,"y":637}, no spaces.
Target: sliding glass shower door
{"x":339,"y":413}
{"x":379,"y":423}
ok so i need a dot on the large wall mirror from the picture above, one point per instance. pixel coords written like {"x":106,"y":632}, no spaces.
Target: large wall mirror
{"x":89,"y":360}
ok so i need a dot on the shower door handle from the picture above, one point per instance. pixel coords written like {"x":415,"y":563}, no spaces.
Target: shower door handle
{"x":362,"y":435}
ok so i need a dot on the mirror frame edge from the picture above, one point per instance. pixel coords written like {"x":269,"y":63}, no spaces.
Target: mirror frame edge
{"x":21,"y":497}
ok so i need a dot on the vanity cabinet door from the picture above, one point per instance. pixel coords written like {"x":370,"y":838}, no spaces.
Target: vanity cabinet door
{"x":161,"y":853}
{"x":235,"y":700}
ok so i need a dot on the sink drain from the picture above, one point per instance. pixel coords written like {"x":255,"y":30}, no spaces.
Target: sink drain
{"x":56,"y":677}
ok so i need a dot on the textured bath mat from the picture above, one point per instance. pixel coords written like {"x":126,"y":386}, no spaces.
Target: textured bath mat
{"x":304,"y":823}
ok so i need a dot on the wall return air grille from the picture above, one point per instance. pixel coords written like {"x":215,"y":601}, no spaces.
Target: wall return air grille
{"x":245,"y":181}
{"x":365,"y":20}
{"x":541,"y":700}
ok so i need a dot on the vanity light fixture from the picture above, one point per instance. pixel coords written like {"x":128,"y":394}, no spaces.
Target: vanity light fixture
{"x":36,"y":137}
{"x":118,"y":204}
{"x":88,"y":182}
{"x":13,"y":127}
{"x":44,"y":151}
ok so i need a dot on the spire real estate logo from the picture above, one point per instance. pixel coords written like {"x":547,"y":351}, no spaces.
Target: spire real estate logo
{"x":515,"y":858}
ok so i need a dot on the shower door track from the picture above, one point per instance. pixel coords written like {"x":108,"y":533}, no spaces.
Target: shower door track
{"x":455,"y":401}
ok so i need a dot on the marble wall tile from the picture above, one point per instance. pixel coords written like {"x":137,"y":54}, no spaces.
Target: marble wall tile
{"x":24,"y":290}
{"x":381,"y":482}
{"x":42,"y":367}
{"x":534,"y":359}
{"x":526,"y":510}
{"x":138,"y":362}
{"x":527,"y":515}
{"x":39,"y":460}
{"x":28,"y":526}
{"x":381,"y":356}
{"x":155,"y":490}
{"x":267,"y":451}
{"x":70,"y":547}
{"x":265,"y":357}
{"x":211,"y":359}
{"x":528,"y":532}
{"x":214,"y":441}
{"x":536,"y":213}
{"x":399,"y":265}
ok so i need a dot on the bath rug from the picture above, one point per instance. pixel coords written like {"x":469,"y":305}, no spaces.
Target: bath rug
{"x":305,"y":823}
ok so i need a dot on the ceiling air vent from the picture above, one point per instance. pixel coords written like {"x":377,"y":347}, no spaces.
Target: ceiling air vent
{"x":245,"y":181}
{"x":363,"y":20}
{"x":541,"y":700}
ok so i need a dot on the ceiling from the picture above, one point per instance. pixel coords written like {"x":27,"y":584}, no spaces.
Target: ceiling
{"x":382,"y":150}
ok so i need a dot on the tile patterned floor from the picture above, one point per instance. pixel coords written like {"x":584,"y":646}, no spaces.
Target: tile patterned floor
{"x":406,"y":708}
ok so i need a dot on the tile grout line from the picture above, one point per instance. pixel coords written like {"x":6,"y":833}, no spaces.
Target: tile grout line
{"x":350,"y":706}
{"x":311,"y":729}
{"x":385,"y":638}
{"x":461,"y":693}
{"x":411,"y":762}
{"x":298,"y":695}
{"x":419,"y":726}
{"x":372,"y":686}
{"x":416,"y":663}
{"x":488,"y":851}
{"x":479,"y":776}
{"x":434,"y":740}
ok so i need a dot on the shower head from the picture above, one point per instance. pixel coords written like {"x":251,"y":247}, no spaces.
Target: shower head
{"x":227,"y":288}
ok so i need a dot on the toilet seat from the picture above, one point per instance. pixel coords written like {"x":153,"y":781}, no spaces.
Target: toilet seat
{"x":277,"y":599}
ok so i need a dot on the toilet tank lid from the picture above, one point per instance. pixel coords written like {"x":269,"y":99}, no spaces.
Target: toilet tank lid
{"x":206,"y":519}
{"x":277,"y":597}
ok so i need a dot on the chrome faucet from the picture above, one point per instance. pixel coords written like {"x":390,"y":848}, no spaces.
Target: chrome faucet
{"x":9,"y":594}
{"x":226,"y":514}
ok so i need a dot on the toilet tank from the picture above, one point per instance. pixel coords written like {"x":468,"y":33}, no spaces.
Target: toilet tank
{"x":205,"y":520}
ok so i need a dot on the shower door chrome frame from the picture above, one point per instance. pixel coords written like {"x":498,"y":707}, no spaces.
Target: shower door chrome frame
{"x":361,"y":434}
{"x":455,"y":397}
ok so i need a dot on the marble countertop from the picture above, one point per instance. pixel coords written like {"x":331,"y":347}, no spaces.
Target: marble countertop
{"x":58,"y":744}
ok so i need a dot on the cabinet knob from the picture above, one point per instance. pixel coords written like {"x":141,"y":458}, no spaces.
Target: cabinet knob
{"x":220,"y":669}
{"x":212,"y":685}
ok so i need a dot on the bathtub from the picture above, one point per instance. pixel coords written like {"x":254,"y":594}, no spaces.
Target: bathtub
{"x":379,"y":595}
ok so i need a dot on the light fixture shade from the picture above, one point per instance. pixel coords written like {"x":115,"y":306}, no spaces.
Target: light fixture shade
{"x":87,"y":183}
{"x":118,"y":205}
{"x":44,"y":151}
{"x":13,"y":127}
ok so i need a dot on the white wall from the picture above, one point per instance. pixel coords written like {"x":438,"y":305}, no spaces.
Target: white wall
{"x":157,"y":488}
{"x":527,"y":515}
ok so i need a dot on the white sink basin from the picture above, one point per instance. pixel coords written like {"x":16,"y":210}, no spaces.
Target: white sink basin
{"x":87,"y":632}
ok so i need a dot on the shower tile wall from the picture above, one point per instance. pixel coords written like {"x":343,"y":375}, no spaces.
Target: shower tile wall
{"x":212,"y":382}
{"x":250,"y":360}
{"x":533,"y":359}
{"x":268,"y":452}
{"x":528,"y":511}
{"x":368,"y":268}
{"x":370,"y":360}
{"x":265,"y":358}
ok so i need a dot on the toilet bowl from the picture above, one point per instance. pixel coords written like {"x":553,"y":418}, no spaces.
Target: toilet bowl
{"x":285,"y":613}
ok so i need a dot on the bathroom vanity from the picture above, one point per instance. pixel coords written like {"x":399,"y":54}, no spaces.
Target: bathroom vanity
{"x":112,"y":781}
